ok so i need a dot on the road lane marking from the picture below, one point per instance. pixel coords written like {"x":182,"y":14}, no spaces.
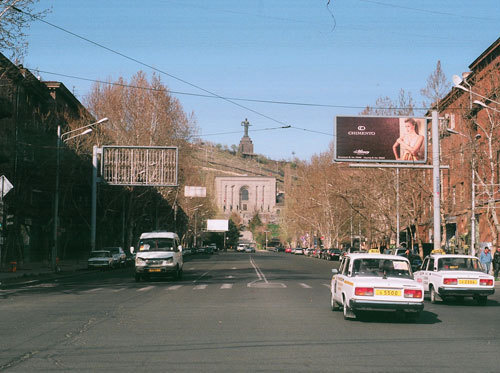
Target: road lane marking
{"x":118,"y":290}
{"x":147,"y":288}
{"x":174,"y":287}
{"x":200,"y":287}
{"x":92,"y":290}
{"x":305,"y":286}
{"x":261,"y":281}
{"x":327,"y":285}
{"x":226,"y":286}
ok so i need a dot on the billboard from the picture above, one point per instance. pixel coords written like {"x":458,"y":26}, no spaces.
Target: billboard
{"x":380,"y":139}
{"x":140,"y":165}
{"x":195,"y":191}
{"x":217,"y":225}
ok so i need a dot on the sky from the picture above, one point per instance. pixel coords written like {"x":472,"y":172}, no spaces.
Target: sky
{"x":309,"y":61}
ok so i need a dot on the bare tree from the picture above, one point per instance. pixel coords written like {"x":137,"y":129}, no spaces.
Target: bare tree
{"x":149,"y":116}
{"x":437,"y":87}
{"x":15,"y":18}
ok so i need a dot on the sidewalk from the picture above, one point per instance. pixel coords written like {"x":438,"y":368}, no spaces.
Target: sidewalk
{"x":39,"y":270}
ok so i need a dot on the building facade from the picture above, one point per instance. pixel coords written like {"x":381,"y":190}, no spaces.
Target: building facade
{"x":246,"y":196}
{"x":470,"y":144}
{"x":30,"y":111}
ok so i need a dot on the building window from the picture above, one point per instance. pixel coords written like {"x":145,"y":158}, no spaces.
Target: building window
{"x":244,"y":194}
{"x":244,"y":207}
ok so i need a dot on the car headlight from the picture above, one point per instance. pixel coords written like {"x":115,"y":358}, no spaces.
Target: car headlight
{"x":139,"y":261}
{"x":168,"y":261}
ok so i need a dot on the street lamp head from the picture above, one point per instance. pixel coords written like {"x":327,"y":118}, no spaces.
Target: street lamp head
{"x":452,"y":131}
{"x":86,"y":131}
{"x":456,"y":80}
{"x":102,"y":120}
{"x":480,"y":103}
{"x":478,"y":136}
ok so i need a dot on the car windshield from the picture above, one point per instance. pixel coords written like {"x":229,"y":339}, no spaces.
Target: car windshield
{"x":99,"y":254}
{"x":374,"y":267}
{"x":156,"y":244}
{"x":459,"y":264}
{"x":114,"y":250}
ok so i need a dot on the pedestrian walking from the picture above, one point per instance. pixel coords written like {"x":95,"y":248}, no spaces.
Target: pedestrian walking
{"x":485,"y":259}
{"x":496,"y":262}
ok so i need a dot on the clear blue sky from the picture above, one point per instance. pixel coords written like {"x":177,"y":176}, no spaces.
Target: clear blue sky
{"x":346,"y":56}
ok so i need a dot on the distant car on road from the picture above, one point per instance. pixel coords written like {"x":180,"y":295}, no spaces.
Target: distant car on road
{"x":288,"y":250}
{"x":100,"y":259}
{"x":298,"y":251}
{"x":249,"y":249}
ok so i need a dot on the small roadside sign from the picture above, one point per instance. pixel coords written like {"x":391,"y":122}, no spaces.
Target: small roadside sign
{"x":5,"y":186}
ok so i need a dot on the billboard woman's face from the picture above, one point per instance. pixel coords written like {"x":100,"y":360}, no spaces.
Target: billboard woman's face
{"x":410,"y":128}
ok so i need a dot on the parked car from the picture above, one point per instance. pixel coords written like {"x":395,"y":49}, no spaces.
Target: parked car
{"x":100,"y":259}
{"x":298,"y":251}
{"x":241,"y":247}
{"x":288,"y":250}
{"x":333,"y":254}
{"x":119,"y":256}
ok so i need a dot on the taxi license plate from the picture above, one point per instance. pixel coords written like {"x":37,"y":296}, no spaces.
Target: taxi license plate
{"x":388,"y":292}
{"x":154,"y":270}
{"x":463,"y":281}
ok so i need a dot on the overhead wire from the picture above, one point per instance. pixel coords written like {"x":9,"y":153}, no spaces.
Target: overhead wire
{"x":148,"y":66}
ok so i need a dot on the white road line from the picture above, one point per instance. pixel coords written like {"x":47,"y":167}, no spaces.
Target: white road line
{"x":200,"y":287}
{"x":226,"y":286}
{"x":174,"y":287}
{"x":327,"y":285}
{"x":92,"y":290}
{"x":147,"y":288}
{"x":305,"y":286}
{"x":118,"y":290}
{"x":260,"y":274}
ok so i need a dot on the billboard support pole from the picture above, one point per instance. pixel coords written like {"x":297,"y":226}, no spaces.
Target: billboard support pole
{"x":397,"y":207}
{"x":436,"y":180}
{"x":93,"y":214}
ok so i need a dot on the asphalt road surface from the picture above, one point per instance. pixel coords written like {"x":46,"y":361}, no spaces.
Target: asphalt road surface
{"x":232,"y":312}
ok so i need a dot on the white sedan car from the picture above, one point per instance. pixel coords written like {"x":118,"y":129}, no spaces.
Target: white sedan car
{"x":457,"y":276}
{"x":375,"y":282}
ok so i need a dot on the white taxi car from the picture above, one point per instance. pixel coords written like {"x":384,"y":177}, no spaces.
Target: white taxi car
{"x":455,"y":275}
{"x":376,"y":282}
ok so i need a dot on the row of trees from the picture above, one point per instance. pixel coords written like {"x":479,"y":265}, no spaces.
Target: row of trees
{"x":343,"y":204}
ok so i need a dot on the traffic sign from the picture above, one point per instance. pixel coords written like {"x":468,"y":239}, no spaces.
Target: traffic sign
{"x":5,"y":186}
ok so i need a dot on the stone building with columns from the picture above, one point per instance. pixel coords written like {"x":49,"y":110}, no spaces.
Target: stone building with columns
{"x":246,"y":195}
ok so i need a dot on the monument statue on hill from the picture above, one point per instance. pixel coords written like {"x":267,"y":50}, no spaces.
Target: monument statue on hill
{"x":246,"y":146}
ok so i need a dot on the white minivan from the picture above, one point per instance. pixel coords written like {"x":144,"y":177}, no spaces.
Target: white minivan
{"x":158,"y":254}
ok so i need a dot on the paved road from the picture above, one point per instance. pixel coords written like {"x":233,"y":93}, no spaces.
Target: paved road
{"x":232,"y":312}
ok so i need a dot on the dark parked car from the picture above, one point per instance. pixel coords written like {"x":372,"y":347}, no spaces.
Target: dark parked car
{"x":333,"y":254}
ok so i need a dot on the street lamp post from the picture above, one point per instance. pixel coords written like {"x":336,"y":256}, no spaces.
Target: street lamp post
{"x":60,"y":140}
